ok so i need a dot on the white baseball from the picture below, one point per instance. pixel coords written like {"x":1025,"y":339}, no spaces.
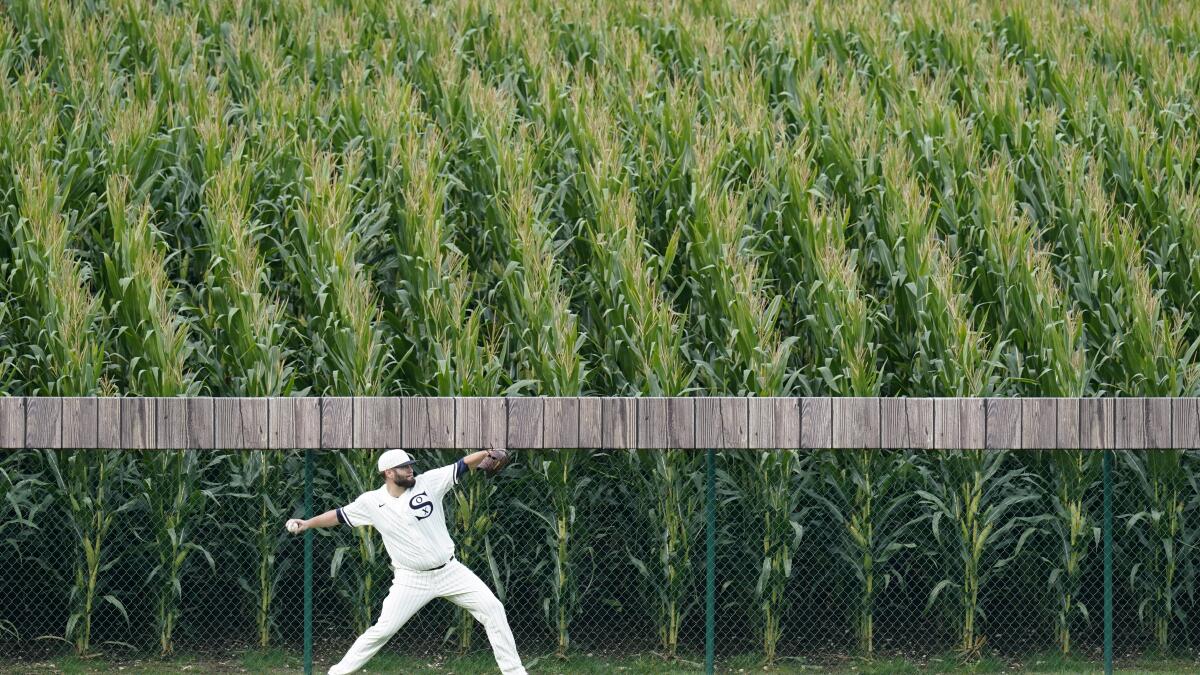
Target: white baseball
{"x":293,"y":526}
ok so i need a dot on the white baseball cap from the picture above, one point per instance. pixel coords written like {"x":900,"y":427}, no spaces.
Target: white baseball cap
{"x":393,"y":458}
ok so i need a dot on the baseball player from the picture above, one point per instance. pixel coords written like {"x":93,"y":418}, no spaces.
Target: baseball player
{"x":407,"y":512}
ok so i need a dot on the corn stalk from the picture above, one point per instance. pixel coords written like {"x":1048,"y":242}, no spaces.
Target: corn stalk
{"x":737,"y":320}
{"x":343,"y":328}
{"x":68,"y":362}
{"x":1161,"y":529}
{"x":154,"y":342}
{"x":543,"y":332}
{"x":434,"y":317}
{"x":1033,"y":310}
{"x":856,"y":490}
{"x":1141,"y":169}
{"x":1030,"y":307}
{"x":245,"y":327}
{"x":23,"y":499}
{"x":638,"y":336}
{"x":1150,"y":354}
{"x":849,"y":335}
{"x":981,"y":500}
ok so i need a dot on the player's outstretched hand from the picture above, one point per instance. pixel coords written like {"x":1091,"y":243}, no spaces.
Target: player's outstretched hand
{"x":295,"y":526}
{"x":496,"y":459}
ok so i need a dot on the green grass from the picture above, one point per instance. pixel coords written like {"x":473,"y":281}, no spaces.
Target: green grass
{"x":1054,"y":662}
{"x":277,"y":661}
{"x":271,"y":660}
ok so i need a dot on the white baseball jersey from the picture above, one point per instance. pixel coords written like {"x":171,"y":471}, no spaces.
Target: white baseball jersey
{"x":413,"y":525}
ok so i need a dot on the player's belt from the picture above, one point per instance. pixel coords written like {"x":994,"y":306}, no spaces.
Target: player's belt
{"x":431,"y":569}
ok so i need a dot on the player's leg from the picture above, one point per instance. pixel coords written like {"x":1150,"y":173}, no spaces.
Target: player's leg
{"x":407,"y":595}
{"x":463,"y":588}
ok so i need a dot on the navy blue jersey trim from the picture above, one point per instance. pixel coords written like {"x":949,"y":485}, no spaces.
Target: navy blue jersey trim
{"x":460,"y":467}
{"x":343,"y":519}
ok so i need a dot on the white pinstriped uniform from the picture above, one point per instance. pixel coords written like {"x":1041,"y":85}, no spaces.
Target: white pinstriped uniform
{"x":413,"y":527}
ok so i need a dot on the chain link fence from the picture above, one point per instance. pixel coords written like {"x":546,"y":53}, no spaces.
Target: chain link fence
{"x":816,"y":555}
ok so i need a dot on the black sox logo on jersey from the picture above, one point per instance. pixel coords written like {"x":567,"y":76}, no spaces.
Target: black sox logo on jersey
{"x":420,"y":502}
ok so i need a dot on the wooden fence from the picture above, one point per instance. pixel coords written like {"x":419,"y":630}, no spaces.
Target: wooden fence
{"x":595,"y":422}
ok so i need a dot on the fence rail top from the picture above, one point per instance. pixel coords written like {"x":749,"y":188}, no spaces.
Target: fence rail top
{"x":336,"y":422}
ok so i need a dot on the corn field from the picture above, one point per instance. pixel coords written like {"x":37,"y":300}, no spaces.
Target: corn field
{"x":686,"y":198}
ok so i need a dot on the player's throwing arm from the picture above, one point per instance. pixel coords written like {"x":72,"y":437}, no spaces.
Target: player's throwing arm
{"x":407,"y":512}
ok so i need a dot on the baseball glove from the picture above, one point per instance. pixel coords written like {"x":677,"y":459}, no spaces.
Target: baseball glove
{"x":496,"y":459}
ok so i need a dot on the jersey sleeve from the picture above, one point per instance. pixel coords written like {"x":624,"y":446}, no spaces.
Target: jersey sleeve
{"x":440,"y":480}
{"x":356,"y":513}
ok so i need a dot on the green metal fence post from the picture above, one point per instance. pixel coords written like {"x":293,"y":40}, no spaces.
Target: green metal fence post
{"x":710,"y":504}
{"x":308,"y":563}
{"x":1108,"y":570}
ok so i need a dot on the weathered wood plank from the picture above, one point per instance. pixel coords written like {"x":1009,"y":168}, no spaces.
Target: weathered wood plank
{"x":306,"y":412}
{"x":591,"y":417}
{"x":440,"y":412}
{"x":856,"y":422}
{"x":187,"y":423}
{"x":1130,"y":415}
{"x":560,"y":422}
{"x":43,"y":422}
{"x":377,"y":422}
{"x":108,"y":422}
{"x":681,"y":423}
{"x":428,"y":423}
{"x":1039,"y":423}
{"x":79,"y":422}
{"x":959,"y":423}
{"x":722,"y":422}
{"x":1158,"y":423}
{"x":762,"y":423}
{"x":171,"y":422}
{"x":1096,"y":424}
{"x":1067,"y":427}
{"x":202,"y":422}
{"x":480,"y":422}
{"x":12,"y":422}
{"x":974,"y":427}
{"x":774,"y":422}
{"x":893,"y":423}
{"x":782,"y":422}
{"x":137,"y":423}
{"x":787,"y":422}
{"x":337,"y":422}
{"x":281,"y":423}
{"x":906,"y":423}
{"x":525,"y":422}
{"x":468,"y":422}
{"x":652,"y":422}
{"x":240,"y":422}
{"x":1004,"y":424}
{"x":618,"y":420}
{"x":920,"y":422}
{"x":947,"y":424}
{"x":816,"y":423}
{"x":1185,"y":423}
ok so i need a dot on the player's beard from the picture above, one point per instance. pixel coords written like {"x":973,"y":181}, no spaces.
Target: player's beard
{"x":405,"y":482}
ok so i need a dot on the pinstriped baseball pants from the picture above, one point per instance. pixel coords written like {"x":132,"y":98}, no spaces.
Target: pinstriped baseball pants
{"x":413,"y":590}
